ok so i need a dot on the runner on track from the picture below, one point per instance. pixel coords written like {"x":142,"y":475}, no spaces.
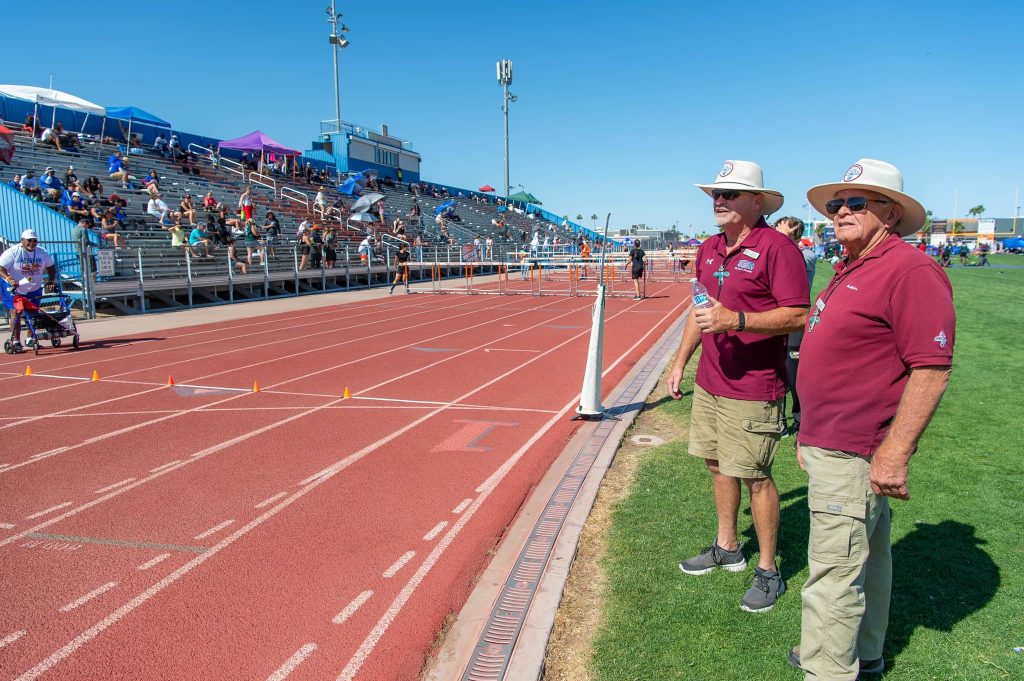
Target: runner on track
{"x":401,"y":268}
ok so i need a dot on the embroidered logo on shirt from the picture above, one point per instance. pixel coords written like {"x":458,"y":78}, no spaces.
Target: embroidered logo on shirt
{"x":746,"y":265}
{"x":852,"y":287}
{"x":941,"y":339}
{"x":709,"y":261}
{"x":726,"y":169}
{"x":853,"y":173}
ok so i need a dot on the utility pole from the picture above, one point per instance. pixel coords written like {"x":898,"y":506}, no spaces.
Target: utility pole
{"x":505,"y":79}
{"x":337,"y":42}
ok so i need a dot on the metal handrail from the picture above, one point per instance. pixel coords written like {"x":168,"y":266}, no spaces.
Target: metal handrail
{"x":296,"y":196}
{"x":223,"y":163}
{"x":264,"y":181}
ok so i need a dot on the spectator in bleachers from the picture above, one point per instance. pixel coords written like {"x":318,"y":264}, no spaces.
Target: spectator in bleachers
{"x":398,"y":228}
{"x":314,"y":242}
{"x":271,"y":232}
{"x":117,"y":168}
{"x":174,"y":146}
{"x":152,"y":183}
{"x":32,"y":126}
{"x":200,"y":238}
{"x":70,"y":178}
{"x":158,"y":209}
{"x":381,"y":214}
{"x":188,"y":164}
{"x":52,"y":136}
{"x":76,"y":208}
{"x":307,"y":172}
{"x":188,"y":210}
{"x":303,"y":226}
{"x":86,"y":241}
{"x":252,"y":240}
{"x":109,"y":224}
{"x":489,"y":246}
{"x":245,"y":203}
{"x":179,"y":238}
{"x":233,"y":257}
{"x":92,"y":187}
{"x":96,"y":213}
{"x":209,"y":203}
{"x":330,"y":252}
{"x":417,"y":245}
{"x":51,"y":185}
{"x":366,"y":250}
{"x":15,"y":183}
{"x":415,"y":212}
{"x":320,"y":202}
{"x":160,"y":145}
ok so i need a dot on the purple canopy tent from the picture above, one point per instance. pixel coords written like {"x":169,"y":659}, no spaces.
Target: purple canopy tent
{"x":257,"y":141}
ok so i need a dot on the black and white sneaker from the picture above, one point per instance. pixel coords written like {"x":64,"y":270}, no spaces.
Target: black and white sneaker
{"x":763,"y":593}
{"x":714,"y":557}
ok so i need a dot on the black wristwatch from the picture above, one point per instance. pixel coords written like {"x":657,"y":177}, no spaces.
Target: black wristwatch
{"x":743,"y":321}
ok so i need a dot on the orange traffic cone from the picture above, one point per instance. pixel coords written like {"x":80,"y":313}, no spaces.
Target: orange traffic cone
{"x":170,"y":380}
{"x":255,"y":387}
{"x":95,"y":375}
{"x":347,"y":395}
{"x":28,"y":370}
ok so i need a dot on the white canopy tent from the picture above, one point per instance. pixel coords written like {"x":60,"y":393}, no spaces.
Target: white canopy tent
{"x":54,"y":98}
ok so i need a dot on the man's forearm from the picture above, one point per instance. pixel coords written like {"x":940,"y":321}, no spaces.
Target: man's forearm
{"x":781,"y":320}
{"x":920,"y":399}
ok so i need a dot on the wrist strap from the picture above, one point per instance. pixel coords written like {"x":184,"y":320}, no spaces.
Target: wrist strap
{"x":743,"y":321}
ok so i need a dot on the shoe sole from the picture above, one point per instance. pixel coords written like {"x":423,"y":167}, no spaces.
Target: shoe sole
{"x":734,"y":567}
{"x":744,"y":608}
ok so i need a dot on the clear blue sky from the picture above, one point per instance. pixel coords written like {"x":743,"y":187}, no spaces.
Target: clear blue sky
{"x":622,"y":107}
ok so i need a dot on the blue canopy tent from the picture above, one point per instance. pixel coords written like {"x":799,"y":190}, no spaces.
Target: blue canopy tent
{"x":1013,"y":243}
{"x":134,"y":115}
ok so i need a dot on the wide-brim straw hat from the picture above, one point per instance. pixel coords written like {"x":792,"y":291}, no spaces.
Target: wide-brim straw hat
{"x":879,"y":177}
{"x":745,"y":176}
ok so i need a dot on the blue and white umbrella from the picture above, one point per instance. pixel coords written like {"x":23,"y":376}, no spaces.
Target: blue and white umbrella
{"x":446,"y":207}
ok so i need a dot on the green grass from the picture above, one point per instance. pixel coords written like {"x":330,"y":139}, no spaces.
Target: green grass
{"x":958,"y":593}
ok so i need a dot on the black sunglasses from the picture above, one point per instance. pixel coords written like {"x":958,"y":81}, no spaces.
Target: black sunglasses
{"x":727,"y":194}
{"x":854,"y":203}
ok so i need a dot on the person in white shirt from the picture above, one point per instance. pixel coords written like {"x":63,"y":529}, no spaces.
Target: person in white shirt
{"x":158,"y":209}
{"x":22,"y":267}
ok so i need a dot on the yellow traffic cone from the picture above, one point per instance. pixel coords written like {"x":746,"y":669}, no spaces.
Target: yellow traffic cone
{"x":255,"y":387}
{"x":28,"y":370}
{"x":347,"y":395}
{"x":95,"y":375}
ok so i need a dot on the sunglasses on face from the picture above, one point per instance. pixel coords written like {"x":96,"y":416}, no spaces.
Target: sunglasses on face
{"x":854,"y":203}
{"x":726,"y":194}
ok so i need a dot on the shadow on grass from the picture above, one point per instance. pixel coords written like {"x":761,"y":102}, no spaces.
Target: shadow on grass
{"x":794,"y":529}
{"x":941,"y":575}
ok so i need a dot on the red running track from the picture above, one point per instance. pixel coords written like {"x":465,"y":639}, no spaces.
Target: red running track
{"x":206,"y":531}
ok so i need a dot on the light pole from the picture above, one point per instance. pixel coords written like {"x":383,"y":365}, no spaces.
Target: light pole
{"x":337,"y":42}
{"x":505,"y":79}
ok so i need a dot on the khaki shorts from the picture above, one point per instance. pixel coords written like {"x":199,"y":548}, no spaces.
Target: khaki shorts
{"x":742,"y":435}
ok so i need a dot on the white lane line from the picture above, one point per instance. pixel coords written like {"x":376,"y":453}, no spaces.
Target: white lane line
{"x":318,"y":474}
{"x":351,"y":608}
{"x":166,"y":465}
{"x":7,"y":526}
{"x":429,"y":536}
{"x":213,"y":530}
{"x":508,"y":350}
{"x":359,"y":658}
{"x":11,"y":638}
{"x":294,"y":661}
{"x":116,"y":484}
{"x":462,"y":506}
{"x":92,"y":632}
{"x":268,"y":502}
{"x":49,"y":510}
{"x":159,"y":559}
{"x":88,"y":597}
{"x":399,"y":564}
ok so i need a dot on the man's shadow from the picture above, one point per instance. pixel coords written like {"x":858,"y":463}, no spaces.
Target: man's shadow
{"x":941,"y":575}
{"x":794,"y":528}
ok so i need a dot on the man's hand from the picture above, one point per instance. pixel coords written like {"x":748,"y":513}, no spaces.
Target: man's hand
{"x":716,"y":318}
{"x":888,"y":474}
{"x":674,"y":379}
{"x":800,"y":458}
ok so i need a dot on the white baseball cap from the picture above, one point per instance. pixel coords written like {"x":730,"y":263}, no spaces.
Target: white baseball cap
{"x":29,"y":234}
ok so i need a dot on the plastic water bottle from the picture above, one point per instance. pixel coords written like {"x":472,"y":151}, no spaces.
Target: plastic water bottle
{"x":700,"y":294}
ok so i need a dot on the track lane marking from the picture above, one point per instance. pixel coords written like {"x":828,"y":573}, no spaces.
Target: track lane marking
{"x":462,"y":506}
{"x":150,"y":563}
{"x":116,"y":484}
{"x":268,"y":502}
{"x":11,"y":638}
{"x":214,"y":530}
{"x":166,"y":465}
{"x":49,"y":510}
{"x":88,"y":597}
{"x":294,"y":661}
{"x":436,"y":530}
{"x":398,"y":564}
{"x":7,"y":526}
{"x":351,"y":608}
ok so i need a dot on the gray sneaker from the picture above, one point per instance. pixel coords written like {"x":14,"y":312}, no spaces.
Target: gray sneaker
{"x":713,"y":557}
{"x":767,"y":588}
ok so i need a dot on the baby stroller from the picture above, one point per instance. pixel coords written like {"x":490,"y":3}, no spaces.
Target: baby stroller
{"x":53,"y":325}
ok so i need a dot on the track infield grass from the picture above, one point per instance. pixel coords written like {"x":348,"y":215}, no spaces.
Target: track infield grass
{"x":958,"y":547}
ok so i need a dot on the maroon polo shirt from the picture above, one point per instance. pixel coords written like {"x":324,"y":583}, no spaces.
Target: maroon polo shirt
{"x":881,"y":316}
{"x":766,"y":272}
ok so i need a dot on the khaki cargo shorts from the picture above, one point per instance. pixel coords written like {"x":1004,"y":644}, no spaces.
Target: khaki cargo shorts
{"x":741,"y":434}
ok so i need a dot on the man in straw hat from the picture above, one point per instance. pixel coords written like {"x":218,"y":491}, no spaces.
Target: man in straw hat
{"x":757,"y":294}
{"x":874,"y":364}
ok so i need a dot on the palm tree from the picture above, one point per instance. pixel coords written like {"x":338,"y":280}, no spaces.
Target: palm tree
{"x":976,"y":211}
{"x":579,"y":218}
{"x":594,"y":218}
{"x":926,"y":228}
